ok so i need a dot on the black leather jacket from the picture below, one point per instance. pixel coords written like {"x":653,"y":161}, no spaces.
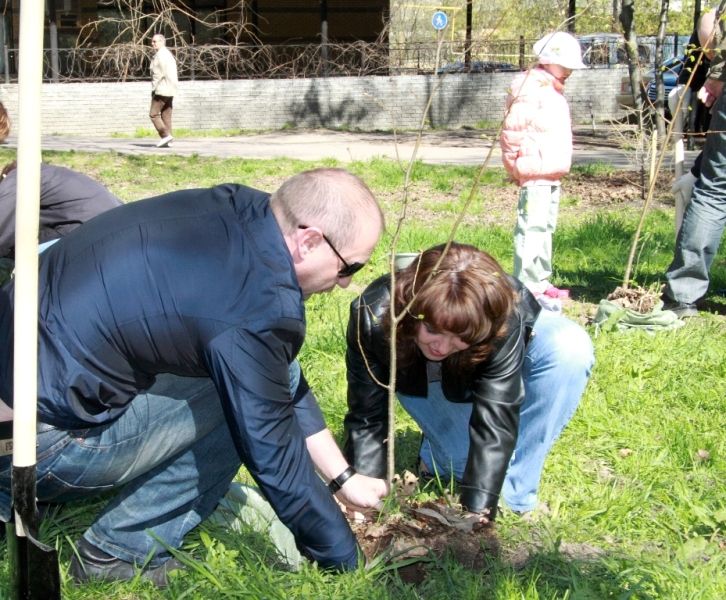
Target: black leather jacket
{"x":495,"y":388}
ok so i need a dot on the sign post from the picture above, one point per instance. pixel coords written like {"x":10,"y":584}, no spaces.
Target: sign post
{"x":440,"y":20}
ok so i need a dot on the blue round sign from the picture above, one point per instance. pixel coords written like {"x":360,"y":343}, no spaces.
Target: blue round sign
{"x":439,"y":20}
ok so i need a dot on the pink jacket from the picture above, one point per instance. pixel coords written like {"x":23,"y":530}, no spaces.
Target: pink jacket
{"x":537,"y":137}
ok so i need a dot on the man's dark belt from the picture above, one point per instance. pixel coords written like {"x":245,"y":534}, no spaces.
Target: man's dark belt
{"x":6,"y":438}
{"x":6,"y":435}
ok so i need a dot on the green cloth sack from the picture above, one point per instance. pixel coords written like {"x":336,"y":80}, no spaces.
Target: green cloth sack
{"x":611,"y":316}
{"x":244,"y":506}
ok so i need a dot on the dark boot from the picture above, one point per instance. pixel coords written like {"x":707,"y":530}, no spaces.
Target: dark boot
{"x":91,"y":562}
{"x":683,"y":310}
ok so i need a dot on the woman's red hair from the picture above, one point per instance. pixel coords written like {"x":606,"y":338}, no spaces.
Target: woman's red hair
{"x":467,"y":294}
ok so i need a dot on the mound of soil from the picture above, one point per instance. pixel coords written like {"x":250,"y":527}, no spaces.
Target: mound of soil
{"x":424,"y":532}
{"x":638,"y":299}
{"x":416,"y":538}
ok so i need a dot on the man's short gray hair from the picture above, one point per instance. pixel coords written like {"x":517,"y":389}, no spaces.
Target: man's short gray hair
{"x":332,"y":199}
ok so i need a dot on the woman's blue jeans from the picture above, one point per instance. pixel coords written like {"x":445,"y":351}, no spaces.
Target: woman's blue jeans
{"x":169,"y":458}
{"x":556,"y":368}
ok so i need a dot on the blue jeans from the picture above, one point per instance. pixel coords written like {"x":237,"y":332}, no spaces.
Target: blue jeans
{"x":556,"y":368}
{"x":703,"y":223}
{"x":170,"y":458}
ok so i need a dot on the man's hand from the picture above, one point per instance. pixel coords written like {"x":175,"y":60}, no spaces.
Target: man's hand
{"x":710,"y":91}
{"x":683,"y":187}
{"x":357,"y":494}
{"x":362,"y":493}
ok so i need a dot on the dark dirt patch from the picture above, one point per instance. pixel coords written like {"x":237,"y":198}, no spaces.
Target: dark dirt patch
{"x":425,"y":532}
{"x":415,"y":540}
{"x":583,"y":194}
{"x":420,"y":535}
{"x":613,"y":191}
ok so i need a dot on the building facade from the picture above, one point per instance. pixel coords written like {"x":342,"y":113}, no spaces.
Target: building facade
{"x":270,"y":21}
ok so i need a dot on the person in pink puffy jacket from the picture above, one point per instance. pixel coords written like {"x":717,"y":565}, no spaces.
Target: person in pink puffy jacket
{"x":536,"y":146}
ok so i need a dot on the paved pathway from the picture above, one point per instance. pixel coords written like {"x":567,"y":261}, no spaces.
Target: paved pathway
{"x":453,"y":147}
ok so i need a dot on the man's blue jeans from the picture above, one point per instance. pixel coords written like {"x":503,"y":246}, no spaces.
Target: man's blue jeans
{"x":703,"y":223}
{"x":556,"y":368}
{"x":169,"y":458}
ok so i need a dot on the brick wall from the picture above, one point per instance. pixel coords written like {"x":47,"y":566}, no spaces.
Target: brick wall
{"x":364,"y":103}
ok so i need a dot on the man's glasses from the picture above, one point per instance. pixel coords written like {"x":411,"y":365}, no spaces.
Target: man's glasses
{"x":349,"y":269}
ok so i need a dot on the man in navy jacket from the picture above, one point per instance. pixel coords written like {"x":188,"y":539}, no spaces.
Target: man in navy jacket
{"x":168,"y":331}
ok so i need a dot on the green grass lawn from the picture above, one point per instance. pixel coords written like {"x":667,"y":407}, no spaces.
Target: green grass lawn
{"x":636,"y":485}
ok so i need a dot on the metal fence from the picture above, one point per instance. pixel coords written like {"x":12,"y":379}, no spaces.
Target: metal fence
{"x":129,"y":62}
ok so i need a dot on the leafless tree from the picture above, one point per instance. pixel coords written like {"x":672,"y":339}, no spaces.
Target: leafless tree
{"x":120,"y":42}
{"x":137,"y":20}
{"x":660,"y":90}
{"x":627,"y":14}
{"x":657,"y":162}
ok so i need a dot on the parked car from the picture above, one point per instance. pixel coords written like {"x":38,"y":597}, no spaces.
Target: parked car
{"x":608,"y":49}
{"x":671,"y":70}
{"x":476,"y":66}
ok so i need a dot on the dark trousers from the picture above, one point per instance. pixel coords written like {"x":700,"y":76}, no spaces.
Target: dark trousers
{"x":160,"y":114}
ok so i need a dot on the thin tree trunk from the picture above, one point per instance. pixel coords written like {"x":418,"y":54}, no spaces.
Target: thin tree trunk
{"x":659,"y":87}
{"x":627,"y":13}
{"x":571,"y":12}
{"x":696,"y":13}
{"x":631,"y":48}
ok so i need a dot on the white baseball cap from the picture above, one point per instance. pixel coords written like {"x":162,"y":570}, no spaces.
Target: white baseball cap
{"x":559,"y":48}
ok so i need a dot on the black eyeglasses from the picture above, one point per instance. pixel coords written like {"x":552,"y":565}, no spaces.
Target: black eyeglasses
{"x":349,"y":269}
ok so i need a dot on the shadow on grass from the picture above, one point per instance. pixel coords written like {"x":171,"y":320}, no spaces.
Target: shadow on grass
{"x":715,"y":303}
{"x":564,"y":571}
{"x":583,"y":571}
{"x":590,"y":257}
{"x":407,"y":443}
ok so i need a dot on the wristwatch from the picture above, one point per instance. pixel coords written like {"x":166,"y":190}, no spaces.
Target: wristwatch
{"x":337,"y":482}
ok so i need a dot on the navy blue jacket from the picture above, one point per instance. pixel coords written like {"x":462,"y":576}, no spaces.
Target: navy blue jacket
{"x":196,"y":283}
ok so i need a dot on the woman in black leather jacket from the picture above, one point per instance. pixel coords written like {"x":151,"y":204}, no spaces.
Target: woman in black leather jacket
{"x":489,"y":377}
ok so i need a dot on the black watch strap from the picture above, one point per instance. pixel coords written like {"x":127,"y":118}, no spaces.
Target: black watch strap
{"x":337,"y":482}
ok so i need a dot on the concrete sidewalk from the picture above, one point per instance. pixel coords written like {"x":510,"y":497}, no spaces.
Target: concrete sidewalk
{"x":460,"y":147}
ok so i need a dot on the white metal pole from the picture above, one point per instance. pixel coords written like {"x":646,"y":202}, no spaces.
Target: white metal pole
{"x":30,"y":76}
{"x":678,"y":146}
